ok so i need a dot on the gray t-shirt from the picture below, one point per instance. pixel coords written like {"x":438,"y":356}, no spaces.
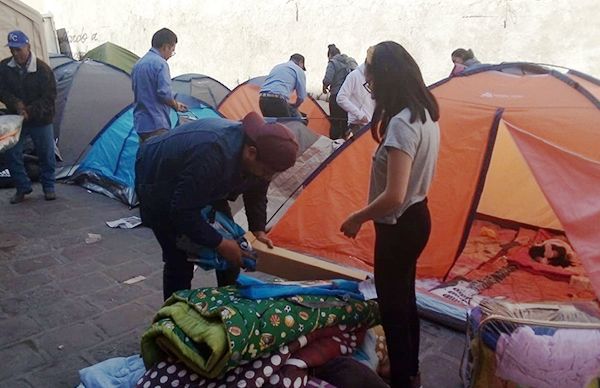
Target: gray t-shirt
{"x":421,"y":141}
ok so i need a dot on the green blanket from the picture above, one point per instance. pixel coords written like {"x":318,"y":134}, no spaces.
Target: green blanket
{"x":212,"y":330}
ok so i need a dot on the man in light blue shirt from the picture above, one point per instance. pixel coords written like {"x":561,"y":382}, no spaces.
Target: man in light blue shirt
{"x":279,"y":85}
{"x":153,"y":97}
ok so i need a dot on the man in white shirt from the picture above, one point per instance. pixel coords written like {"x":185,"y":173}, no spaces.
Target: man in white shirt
{"x":355,"y":98}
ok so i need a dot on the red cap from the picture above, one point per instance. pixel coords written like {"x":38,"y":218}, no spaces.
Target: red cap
{"x":276,"y":144}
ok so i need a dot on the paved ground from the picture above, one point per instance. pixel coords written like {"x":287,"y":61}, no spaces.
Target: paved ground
{"x":63,"y":303}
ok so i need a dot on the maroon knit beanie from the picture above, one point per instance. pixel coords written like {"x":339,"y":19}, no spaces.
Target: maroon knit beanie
{"x":275,"y":143}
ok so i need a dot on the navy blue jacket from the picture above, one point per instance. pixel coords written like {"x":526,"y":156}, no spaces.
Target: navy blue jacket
{"x":192,"y":166}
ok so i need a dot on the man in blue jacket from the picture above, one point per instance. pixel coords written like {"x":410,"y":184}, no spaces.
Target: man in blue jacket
{"x":200,"y":163}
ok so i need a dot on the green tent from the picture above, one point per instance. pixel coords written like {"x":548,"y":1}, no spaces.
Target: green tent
{"x":114,"y":55}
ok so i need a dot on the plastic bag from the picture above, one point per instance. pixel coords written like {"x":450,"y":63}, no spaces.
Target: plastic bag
{"x":10,"y":131}
{"x":208,"y":258}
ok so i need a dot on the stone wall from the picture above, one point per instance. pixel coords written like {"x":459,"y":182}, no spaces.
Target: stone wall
{"x":232,"y":40}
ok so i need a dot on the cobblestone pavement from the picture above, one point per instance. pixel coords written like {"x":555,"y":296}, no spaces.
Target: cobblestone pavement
{"x":63,"y":303}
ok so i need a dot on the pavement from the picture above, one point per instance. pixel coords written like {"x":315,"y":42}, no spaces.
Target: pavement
{"x":64,"y":306}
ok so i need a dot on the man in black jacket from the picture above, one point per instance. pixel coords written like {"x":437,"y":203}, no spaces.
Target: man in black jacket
{"x":28,"y":88}
{"x":201,"y":163}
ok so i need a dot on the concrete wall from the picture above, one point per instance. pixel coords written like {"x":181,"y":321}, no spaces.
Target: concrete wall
{"x":233,"y":40}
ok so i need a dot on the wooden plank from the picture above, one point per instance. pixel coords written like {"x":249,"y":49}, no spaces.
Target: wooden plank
{"x":291,"y":265}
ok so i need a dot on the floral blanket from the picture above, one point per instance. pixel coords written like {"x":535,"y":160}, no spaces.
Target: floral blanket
{"x":215,"y":330}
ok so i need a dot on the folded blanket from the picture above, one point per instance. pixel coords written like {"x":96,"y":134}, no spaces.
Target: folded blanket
{"x":213,"y":330}
{"x":287,"y":366}
{"x":181,"y":331}
{"x":337,"y":287}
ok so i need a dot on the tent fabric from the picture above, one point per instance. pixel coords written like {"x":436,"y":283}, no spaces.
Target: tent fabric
{"x":342,"y":181}
{"x":509,"y":181}
{"x":202,"y":87}
{"x":114,"y":55}
{"x":109,"y":165}
{"x":59,"y":59}
{"x":313,"y":151}
{"x":15,"y":15}
{"x":89,"y":94}
{"x":565,"y":176}
{"x":244,"y":99}
{"x":586,"y":83}
{"x":518,"y":143}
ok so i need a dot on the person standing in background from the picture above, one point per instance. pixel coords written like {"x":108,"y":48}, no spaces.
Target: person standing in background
{"x":463,"y":59}
{"x":355,"y":98}
{"x":151,"y":79}
{"x":28,"y":88}
{"x":338,"y":68}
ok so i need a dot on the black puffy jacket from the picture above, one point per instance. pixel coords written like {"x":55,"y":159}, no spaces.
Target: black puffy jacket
{"x":36,"y":90}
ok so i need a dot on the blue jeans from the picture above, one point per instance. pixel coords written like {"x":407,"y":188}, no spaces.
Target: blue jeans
{"x":43,"y":139}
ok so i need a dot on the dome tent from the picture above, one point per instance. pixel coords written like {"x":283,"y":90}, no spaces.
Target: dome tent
{"x":518,"y":161}
{"x":244,"y":99}
{"x":114,"y":55}
{"x":89,"y":94}
{"x":201,"y":87}
{"x":108,"y":166}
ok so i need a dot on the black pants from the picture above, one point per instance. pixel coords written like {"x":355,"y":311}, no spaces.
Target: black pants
{"x":397,"y":248}
{"x":276,"y":107}
{"x":177,"y":271}
{"x":353,"y":129}
{"x":338,"y":118}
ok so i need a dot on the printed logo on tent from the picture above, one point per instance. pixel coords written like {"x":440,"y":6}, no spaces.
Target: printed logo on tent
{"x":496,"y":95}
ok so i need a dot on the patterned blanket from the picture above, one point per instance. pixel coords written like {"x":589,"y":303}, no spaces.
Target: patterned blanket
{"x":214,"y":330}
{"x":288,"y":366}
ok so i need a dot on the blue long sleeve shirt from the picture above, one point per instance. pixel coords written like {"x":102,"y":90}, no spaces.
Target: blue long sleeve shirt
{"x":193,"y":166}
{"x":151,"y":82}
{"x":284,"y":79}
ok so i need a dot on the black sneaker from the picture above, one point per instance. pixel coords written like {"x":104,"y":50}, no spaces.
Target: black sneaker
{"x":19,"y":196}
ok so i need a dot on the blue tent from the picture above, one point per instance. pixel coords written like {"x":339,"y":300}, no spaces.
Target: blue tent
{"x":89,"y":94}
{"x":108,"y":166}
{"x":201,"y":87}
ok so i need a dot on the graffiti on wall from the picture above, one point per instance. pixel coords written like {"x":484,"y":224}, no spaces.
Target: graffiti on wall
{"x":83,"y":37}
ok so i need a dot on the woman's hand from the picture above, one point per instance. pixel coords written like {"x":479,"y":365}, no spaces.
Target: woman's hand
{"x":352,"y":225}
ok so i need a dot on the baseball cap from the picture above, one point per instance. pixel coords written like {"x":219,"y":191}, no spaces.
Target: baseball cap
{"x":275,"y":143}
{"x":298,"y":58}
{"x":17,"y":39}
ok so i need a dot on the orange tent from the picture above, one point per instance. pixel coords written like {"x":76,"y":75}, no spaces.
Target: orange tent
{"x":244,"y":99}
{"x":519,"y":160}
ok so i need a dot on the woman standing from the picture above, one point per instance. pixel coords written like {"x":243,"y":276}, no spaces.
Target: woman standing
{"x":405,"y":126}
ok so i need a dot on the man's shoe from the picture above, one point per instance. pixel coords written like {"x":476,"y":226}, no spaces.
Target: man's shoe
{"x":19,"y":196}
{"x":49,"y":195}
